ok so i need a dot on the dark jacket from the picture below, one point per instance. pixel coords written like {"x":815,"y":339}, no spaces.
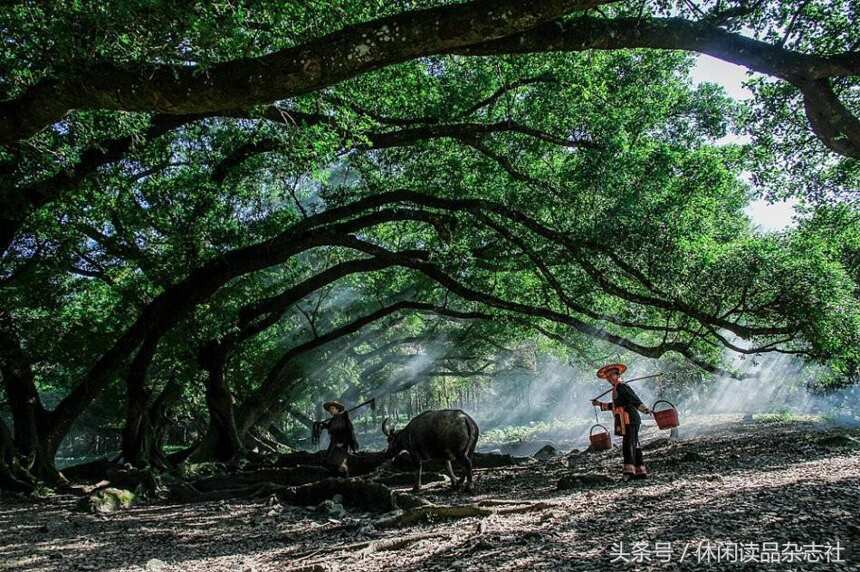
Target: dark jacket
{"x":341,"y":432}
{"x":627,"y":398}
{"x":624,"y":398}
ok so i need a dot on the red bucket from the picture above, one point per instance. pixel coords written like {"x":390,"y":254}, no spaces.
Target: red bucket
{"x":599,"y":441}
{"x":667,"y":418}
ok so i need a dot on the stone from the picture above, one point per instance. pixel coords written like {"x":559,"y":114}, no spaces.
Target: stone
{"x":107,"y":501}
{"x":546,"y":452}
{"x":155,"y":565}
{"x":331,"y":508}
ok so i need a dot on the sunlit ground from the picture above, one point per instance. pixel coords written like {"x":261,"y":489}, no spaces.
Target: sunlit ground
{"x":775,"y":479}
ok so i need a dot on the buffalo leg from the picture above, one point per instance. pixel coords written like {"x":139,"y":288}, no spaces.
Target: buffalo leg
{"x":450,"y":469}
{"x":467,"y":463}
{"x":417,"y":486}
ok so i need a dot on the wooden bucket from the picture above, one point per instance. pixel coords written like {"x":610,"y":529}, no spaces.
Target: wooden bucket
{"x":665,"y":418}
{"x":600,"y":441}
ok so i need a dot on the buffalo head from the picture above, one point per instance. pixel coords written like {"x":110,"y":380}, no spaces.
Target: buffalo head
{"x":392,"y":435}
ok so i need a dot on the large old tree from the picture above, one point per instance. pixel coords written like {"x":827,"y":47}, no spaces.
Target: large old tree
{"x":199,"y":205}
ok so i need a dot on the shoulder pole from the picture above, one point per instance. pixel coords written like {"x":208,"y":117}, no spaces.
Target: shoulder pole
{"x":631,"y":380}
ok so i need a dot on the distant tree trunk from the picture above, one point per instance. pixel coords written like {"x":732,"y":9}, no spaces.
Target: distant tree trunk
{"x":137,"y":435}
{"x":33,"y":437}
{"x":278,"y":433}
{"x":222,"y":441}
{"x":10,"y":477}
{"x":159,"y":421}
{"x":259,"y":406}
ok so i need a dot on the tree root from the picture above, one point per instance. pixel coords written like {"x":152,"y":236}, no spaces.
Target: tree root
{"x":433,"y":513}
{"x":187,"y":493}
{"x":300,"y":458}
{"x":355,"y":492}
{"x":294,"y":476}
{"x":92,"y":471}
{"x":408,"y":479}
{"x":9,"y":482}
{"x":364,"y":549}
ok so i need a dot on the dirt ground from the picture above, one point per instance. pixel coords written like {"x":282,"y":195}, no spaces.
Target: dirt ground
{"x":745,"y":492}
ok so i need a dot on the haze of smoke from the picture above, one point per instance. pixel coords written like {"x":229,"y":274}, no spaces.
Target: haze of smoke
{"x":554,"y":396}
{"x":416,"y":368}
{"x":558,"y":396}
{"x":779,"y":385}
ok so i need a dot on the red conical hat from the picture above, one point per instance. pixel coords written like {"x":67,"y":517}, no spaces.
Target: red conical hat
{"x":603,"y":372}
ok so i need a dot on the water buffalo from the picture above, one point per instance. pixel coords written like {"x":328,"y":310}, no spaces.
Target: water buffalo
{"x":448,"y":434}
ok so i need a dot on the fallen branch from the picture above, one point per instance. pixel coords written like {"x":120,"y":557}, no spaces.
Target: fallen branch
{"x":366,"y":548}
{"x":319,"y":567}
{"x":527,"y":508}
{"x":433,"y":513}
{"x":503,"y":502}
{"x":293,"y":476}
{"x":398,"y":543}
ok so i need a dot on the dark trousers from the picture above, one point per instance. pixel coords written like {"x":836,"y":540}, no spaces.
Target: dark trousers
{"x":337,"y":459}
{"x":630,"y":446}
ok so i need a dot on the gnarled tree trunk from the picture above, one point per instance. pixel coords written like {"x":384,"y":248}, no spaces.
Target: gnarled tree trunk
{"x":222,"y":441}
{"x":34,"y":437}
{"x":146,"y":419}
{"x":11,"y":477}
{"x":159,"y":421}
{"x":137,"y":437}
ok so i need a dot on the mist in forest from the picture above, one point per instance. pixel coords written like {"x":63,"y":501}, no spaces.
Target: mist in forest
{"x":533,"y":398}
{"x":547,"y":403}
{"x":775,"y":384}
{"x":551,"y":404}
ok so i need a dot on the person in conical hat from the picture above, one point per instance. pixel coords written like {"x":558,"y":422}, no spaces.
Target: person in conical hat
{"x":341,"y":434}
{"x":334,"y":407}
{"x":625,"y":407}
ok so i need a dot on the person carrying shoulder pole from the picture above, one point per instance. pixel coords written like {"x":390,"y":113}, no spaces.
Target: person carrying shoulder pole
{"x":625,"y":407}
{"x":342,"y":439}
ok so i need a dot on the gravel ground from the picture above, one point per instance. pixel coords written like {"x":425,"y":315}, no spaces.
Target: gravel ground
{"x":744,"y":492}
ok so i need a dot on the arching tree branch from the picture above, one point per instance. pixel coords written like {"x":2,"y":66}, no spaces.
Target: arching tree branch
{"x":834,"y":124}
{"x":329,"y":59}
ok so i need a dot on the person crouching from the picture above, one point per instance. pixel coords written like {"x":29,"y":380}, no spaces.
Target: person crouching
{"x":625,"y":407}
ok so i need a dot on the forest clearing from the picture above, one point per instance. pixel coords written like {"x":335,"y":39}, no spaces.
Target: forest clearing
{"x":429,"y":284}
